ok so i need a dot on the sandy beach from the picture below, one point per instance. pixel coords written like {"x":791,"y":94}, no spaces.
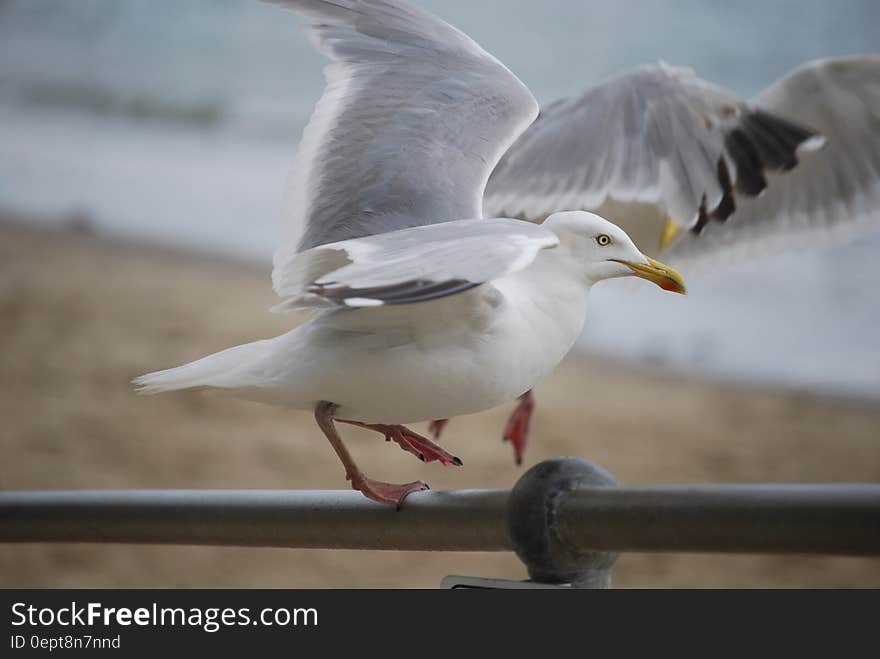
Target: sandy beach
{"x":80,"y":316}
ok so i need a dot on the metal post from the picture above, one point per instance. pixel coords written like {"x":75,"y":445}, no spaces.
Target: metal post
{"x":533,"y":523}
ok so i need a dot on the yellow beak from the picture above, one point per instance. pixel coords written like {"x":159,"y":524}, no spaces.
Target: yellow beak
{"x":665,"y":277}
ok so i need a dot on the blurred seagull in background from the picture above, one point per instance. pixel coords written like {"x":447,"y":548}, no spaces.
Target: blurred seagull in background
{"x":421,"y":309}
{"x":689,"y":170}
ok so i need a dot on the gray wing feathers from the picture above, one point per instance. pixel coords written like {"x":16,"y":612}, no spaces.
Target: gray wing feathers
{"x":832,"y":192}
{"x":648,"y":135}
{"x":407,"y":266}
{"x":414,"y":117}
{"x":658,"y":135}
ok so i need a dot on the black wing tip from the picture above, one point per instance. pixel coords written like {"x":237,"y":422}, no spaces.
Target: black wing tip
{"x":744,"y":150}
{"x":761,"y":142}
{"x":725,"y":207}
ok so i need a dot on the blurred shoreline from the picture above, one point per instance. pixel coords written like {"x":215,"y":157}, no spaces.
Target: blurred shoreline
{"x":79,"y":228}
{"x":81,"y":314}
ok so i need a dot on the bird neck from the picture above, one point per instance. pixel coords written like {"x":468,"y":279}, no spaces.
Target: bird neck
{"x":555,"y":282}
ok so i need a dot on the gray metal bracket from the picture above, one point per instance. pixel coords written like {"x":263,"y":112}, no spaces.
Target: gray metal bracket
{"x":456,"y":581}
{"x":533,"y":527}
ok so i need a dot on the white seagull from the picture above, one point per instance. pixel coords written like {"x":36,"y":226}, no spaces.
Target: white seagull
{"x":687,"y":169}
{"x":697,"y":175}
{"x":444,"y":313}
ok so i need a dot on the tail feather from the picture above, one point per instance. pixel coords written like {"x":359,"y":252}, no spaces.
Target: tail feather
{"x":226,"y":369}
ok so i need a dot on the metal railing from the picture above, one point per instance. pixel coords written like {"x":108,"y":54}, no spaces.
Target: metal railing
{"x":565,"y":518}
{"x":334,"y":519}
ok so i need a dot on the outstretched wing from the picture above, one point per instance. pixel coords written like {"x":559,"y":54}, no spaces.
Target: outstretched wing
{"x":413,"y":119}
{"x":658,"y":137}
{"x":407,"y":266}
{"x":833,"y":193}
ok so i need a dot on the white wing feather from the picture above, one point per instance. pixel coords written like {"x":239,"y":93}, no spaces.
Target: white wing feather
{"x":413,"y":119}
{"x":409,"y":265}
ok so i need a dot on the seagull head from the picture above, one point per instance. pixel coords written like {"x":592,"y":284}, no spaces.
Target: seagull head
{"x":607,"y":251}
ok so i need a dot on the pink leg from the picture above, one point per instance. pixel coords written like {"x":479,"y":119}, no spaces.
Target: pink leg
{"x":376,"y":490}
{"x":436,"y":427}
{"x":411,"y":442}
{"x":517,"y":430}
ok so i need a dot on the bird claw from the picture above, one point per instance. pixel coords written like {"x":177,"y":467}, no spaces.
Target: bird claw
{"x":386,"y":493}
{"x":424,"y":448}
{"x":412,"y":442}
{"x":436,"y":427}
{"x":517,"y":430}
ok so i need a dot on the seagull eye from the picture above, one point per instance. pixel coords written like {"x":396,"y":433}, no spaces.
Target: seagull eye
{"x":603,"y":239}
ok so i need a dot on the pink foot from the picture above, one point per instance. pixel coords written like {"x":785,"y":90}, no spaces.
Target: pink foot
{"x":517,"y":430}
{"x":386,"y":493}
{"x":411,"y":442}
{"x":436,"y":427}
